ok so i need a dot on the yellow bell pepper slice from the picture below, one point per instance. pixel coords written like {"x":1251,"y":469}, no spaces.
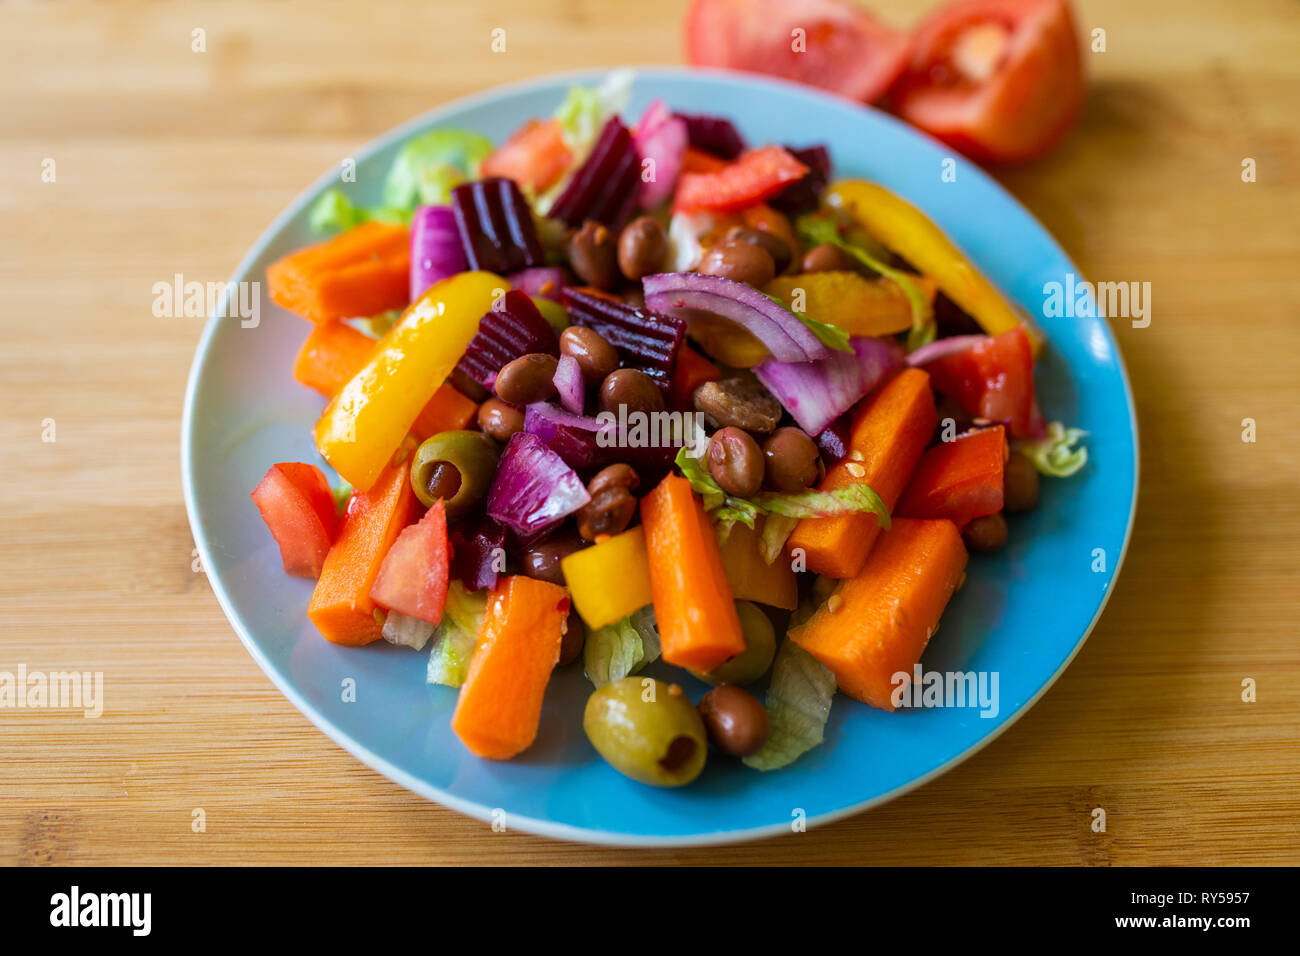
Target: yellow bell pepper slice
{"x":367,"y":419}
{"x":845,"y":299}
{"x":611,"y":579}
{"x":901,"y":227}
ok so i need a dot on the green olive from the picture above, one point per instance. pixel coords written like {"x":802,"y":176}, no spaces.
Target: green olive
{"x":647,"y":730}
{"x":457,"y":467}
{"x":555,"y":314}
{"x":760,"y":647}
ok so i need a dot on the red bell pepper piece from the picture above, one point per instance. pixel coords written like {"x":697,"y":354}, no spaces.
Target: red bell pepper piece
{"x":295,"y":502}
{"x":413,"y":578}
{"x":959,"y":479}
{"x":993,"y":379}
{"x":692,"y":371}
{"x":754,"y":177}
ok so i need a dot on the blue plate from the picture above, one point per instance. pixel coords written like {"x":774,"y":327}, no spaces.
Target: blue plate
{"x":1023,"y":613}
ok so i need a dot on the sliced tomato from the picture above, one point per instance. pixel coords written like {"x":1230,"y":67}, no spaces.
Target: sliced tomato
{"x":535,"y":155}
{"x":413,"y":578}
{"x":1000,"y":80}
{"x":959,"y":480}
{"x":993,"y":379}
{"x":753,"y":177}
{"x":839,"y":46}
{"x":295,"y":501}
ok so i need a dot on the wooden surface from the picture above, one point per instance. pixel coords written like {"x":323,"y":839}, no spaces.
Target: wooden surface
{"x":172,"y":161}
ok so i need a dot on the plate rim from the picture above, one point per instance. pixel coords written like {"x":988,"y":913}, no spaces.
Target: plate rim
{"x":532,"y":825}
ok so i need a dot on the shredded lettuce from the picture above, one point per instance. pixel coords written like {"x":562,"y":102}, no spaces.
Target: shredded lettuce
{"x":407,"y":631}
{"x":335,"y":212}
{"x":776,"y":530}
{"x":456,"y":636}
{"x":798,"y":704}
{"x":1055,"y":455}
{"x":342,"y":493}
{"x":428,"y":166}
{"x":622,"y":648}
{"x":818,"y":228}
{"x":727,"y":509}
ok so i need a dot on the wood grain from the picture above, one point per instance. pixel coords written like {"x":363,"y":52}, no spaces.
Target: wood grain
{"x":173,"y":161}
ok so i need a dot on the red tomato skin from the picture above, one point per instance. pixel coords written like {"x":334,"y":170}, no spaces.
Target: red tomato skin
{"x":295,"y":501}
{"x":846,"y":50}
{"x":413,"y":578}
{"x":992,"y":379}
{"x":1027,"y":106}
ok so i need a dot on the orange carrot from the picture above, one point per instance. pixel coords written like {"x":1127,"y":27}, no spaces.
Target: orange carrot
{"x":752,"y":578}
{"x":692,"y":370}
{"x":500,"y":703}
{"x":959,"y":480}
{"x":888,"y":436}
{"x":694,"y":608}
{"x":340,"y":606}
{"x":335,"y":351}
{"x":875,"y":626}
{"x":361,"y":272}
{"x":447,"y":411}
{"x":332,"y":354}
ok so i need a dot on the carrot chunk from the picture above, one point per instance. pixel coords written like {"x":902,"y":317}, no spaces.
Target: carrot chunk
{"x":694,"y":608}
{"x":332,"y":354}
{"x":341,"y":606}
{"x":500,"y":704}
{"x":888,"y":435}
{"x":361,"y":272}
{"x":874,"y":626}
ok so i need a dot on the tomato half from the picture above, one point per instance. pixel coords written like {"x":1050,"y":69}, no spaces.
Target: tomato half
{"x":999,"y":80}
{"x":413,"y":578}
{"x":841,"y":47}
{"x":298,"y":507}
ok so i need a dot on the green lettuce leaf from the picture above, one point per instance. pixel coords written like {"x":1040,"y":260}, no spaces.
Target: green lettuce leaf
{"x":407,"y":631}
{"x":776,"y":530}
{"x":832,"y":336}
{"x":798,"y":705}
{"x":335,"y":212}
{"x":428,"y":166}
{"x":586,"y":109}
{"x":818,"y":228}
{"x":1055,"y":455}
{"x":456,"y":637}
{"x":620,"y":649}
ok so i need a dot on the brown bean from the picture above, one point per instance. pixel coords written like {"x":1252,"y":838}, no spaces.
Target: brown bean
{"x":595,"y":356}
{"x":827,"y":258}
{"x":742,"y":402}
{"x":792,"y":460}
{"x":529,"y":378}
{"x":593,"y":255}
{"x":735,"y":462}
{"x":612,"y":503}
{"x":575,"y":635}
{"x":612,"y":477}
{"x":499,"y":420}
{"x":542,"y":560}
{"x":741,"y":261}
{"x":736,"y":722}
{"x":642,"y":247}
{"x":1019,"y":484}
{"x":986,"y":534}
{"x":634,"y":389}
{"x":776,"y":247}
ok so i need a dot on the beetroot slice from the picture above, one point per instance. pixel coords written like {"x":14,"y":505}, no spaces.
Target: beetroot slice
{"x":713,"y":134}
{"x":805,"y":194}
{"x":645,"y":340}
{"x":513,"y":329}
{"x":496,"y":227}
{"x":604,"y":189}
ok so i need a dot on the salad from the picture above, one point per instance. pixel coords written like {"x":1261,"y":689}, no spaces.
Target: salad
{"x":604,"y":394}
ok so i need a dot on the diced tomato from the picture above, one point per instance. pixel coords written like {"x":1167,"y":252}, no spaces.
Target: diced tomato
{"x":691,"y":371}
{"x":1000,"y":80}
{"x":413,"y":578}
{"x":992,"y":379}
{"x":753,"y":177}
{"x":834,"y":44}
{"x":959,"y":480}
{"x":535,"y":155}
{"x":295,"y":501}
